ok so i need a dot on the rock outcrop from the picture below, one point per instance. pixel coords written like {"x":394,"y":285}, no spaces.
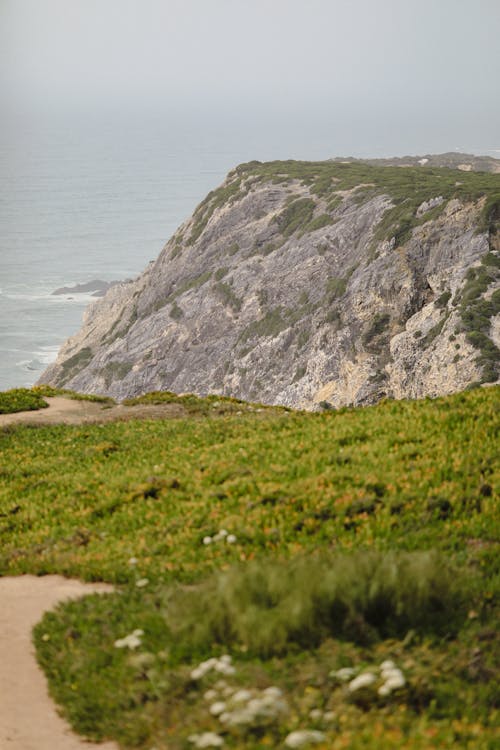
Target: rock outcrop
{"x":308,"y":284}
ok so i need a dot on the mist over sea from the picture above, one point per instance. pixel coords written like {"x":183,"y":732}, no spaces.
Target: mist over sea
{"x":83,"y":200}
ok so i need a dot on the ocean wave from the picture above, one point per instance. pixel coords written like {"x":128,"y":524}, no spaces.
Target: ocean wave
{"x":42,"y":357}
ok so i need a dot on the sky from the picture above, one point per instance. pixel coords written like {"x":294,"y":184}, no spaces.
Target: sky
{"x":395,"y":63}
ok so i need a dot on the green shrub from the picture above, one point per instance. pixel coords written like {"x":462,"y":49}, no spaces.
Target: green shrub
{"x":72,"y":366}
{"x":335,"y":287}
{"x":376,"y":329}
{"x":272,"y":323}
{"x":21,"y":399}
{"x":271,"y":608}
{"x":228,"y":296}
{"x":295,"y":216}
{"x":443,"y":299}
{"x":49,"y":391}
{"x":176,"y":312}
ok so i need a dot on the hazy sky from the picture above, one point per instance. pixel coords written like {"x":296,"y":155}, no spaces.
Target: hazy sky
{"x":394,"y":61}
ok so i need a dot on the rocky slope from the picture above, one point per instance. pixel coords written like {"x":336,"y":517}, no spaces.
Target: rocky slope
{"x":307,"y":284}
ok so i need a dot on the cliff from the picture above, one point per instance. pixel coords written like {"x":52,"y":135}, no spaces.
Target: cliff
{"x":303,"y":283}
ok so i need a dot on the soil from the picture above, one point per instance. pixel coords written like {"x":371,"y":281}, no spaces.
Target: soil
{"x":28,"y":718}
{"x":62,"y":410}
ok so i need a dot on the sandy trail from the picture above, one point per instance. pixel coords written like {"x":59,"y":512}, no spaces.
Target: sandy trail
{"x":28,"y":718}
{"x":64,"y":410}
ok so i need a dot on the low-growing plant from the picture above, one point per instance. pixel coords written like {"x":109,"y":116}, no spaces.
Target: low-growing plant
{"x":21,"y":399}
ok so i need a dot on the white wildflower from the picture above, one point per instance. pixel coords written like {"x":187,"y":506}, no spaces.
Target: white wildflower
{"x":329,"y":716}
{"x":197,"y":673}
{"x":210,"y":695}
{"x":383,"y":691}
{"x":142,"y":582}
{"x":344,"y":674}
{"x":241,"y":696}
{"x":222,"y":665}
{"x":395,"y":681}
{"x":224,"y":668}
{"x":316,"y":714}
{"x":222,"y":534}
{"x":207,"y":540}
{"x":207,"y":739}
{"x":131,"y":641}
{"x":230,"y":539}
{"x":302,"y":737}
{"x":387,"y":664}
{"x":273,"y":691}
{"x":217,"y":708}
{"x":363,"y":680}
{"x":133,"y":561}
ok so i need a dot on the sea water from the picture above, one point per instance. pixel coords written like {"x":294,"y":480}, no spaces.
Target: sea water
{"x":85,"y":199}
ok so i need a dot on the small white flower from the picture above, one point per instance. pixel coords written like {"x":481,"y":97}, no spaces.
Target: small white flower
{"x":273,"y":691}
{"x":133,"y":561}
{"x":217,"y":708}
{"x":343,"y":674}
{"x":207,"y":540}
{"x":303,"y":737}
{"x":316,"y":714}
{"x":223,"y":533}
{"x":363,"y":680}
{"x":387,"y":664}
{"x":226,"y":658}
{"x":131,"y":641}
{"x":197,"y":673}
{"x":223,"y":668}
{"x":329,"y":716}
{"x":207,"y":739}
{"x":384,"y":691}
{"x":241,"y":696}
{"x":142,"y":582}
{"x":210,"y":695}
{"x":230,"y":539}
{"x":395,"y":682}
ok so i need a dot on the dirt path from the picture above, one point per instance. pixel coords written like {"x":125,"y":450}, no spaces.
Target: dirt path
{"x":63,"y":410}
{"x":28,"y":718}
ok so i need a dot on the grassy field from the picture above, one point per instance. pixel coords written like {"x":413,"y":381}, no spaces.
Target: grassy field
{"x":267,"y":563}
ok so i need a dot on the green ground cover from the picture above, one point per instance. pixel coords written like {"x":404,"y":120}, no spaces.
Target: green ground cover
{"x":408,"y":188}
{"x":21,"y":399}
{"x":297,"y":544}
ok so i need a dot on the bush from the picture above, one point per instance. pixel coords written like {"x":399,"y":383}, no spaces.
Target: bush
{"x":21,"y":399}
{"x":275,"y":607}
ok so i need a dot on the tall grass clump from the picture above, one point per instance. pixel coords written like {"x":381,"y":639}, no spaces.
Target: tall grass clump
{"x":270,"y":608}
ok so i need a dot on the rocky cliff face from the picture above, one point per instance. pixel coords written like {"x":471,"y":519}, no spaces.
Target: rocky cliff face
{"x":308,"y":283}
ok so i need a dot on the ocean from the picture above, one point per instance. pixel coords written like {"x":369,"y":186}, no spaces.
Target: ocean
{"x":83,"y":200}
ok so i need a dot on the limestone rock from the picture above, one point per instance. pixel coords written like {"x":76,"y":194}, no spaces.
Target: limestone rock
{"x":304,"y":284}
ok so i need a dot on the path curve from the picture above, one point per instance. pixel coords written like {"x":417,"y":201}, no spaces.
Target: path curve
{"x":28,"y":718}
{"x":62,"y":410}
